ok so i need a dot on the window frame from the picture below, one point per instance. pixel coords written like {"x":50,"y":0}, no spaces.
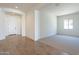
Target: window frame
{"x":68,"y":25}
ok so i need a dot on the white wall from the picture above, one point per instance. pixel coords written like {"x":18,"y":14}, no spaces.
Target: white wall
{"x":48,"y":17}
{"x":48,"y":24}
{"x":30,"y":25}
{"x":23,"y":24}
{"x":2,"y":26}
{"x":37,"y":25}
{"x":60,"y":24}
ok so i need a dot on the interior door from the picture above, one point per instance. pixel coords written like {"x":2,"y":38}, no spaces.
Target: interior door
{"x":13,"y":25}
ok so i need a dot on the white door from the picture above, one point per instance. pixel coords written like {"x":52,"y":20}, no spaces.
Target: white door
{"x":13,"y":24}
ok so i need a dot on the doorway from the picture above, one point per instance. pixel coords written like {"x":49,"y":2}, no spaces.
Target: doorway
{"x":13,"y":24}
{"x":10,"y":25}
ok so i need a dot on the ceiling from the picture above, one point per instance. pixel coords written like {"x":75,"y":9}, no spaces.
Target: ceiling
{"x":23,"y":6}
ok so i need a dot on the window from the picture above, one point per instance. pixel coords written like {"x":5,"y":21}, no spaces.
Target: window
{"x":68,"y":24}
